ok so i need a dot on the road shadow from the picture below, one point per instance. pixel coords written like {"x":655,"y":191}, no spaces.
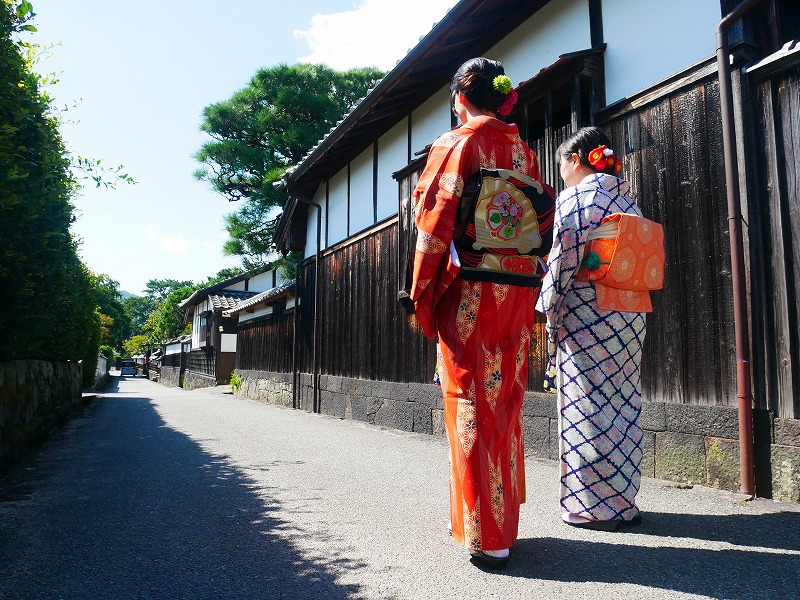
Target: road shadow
{"x":119,"y":505}
{"x":779,"y":530}
{"x":717,"y":573}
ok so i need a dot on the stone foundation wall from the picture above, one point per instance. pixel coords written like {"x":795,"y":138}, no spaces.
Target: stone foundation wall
{"x":36,"y":397}
{"x":170,"y":376}
{"x":194,"y":381}
{"x":683,"y":443}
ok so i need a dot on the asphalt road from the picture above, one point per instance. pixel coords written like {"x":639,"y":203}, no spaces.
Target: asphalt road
{"x":159,"y":493}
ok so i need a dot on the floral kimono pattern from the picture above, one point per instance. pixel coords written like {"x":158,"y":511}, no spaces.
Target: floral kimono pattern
{"x":598,"y":360}
{"x":484,"y":335}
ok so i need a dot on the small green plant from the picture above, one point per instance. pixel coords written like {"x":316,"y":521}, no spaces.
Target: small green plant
{"x":236,"y":381}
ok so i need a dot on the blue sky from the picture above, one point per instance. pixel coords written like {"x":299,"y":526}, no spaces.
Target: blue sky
{"x":136,"y":76}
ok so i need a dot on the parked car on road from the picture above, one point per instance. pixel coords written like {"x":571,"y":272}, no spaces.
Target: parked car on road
{"x":128,"y":367}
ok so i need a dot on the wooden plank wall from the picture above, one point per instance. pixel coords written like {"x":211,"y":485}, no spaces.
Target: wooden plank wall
{"x":672,"y":154}
{"x":266,"y":344}
{"x":365,"y":331}
{"x":775,"y":215}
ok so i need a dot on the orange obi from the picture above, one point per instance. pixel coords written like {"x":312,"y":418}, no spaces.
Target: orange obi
{"x":624,"y":257}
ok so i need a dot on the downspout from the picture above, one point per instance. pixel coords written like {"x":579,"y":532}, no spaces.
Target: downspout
{"x":743,"y":383}
{"x":315,"y":404}
{"x":298,"y":287}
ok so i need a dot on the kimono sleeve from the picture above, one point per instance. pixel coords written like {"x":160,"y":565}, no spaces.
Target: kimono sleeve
{"x":436,"y":199}
{"x":570,"y":230}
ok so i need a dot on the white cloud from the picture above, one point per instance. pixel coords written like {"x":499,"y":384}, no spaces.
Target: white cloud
{"x":375,"y":32}
{"x":174,"y":245}
{"x":168,"y":243}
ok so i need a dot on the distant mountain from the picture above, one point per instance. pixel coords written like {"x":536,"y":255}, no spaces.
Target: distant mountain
{"x":125,"y":294}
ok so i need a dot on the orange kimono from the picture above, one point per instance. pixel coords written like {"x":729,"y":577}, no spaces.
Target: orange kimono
{"x":484,"y":335}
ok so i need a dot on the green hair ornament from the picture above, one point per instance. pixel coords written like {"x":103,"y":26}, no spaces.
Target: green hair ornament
{"x":502,"y":83}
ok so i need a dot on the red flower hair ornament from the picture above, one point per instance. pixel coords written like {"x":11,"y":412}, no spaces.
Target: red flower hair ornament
{"x":603,"y":159}
{"x":502,"y":83}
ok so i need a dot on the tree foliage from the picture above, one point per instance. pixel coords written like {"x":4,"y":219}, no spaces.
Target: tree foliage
{"x":264,"y":129}
{"x":49,"y":308}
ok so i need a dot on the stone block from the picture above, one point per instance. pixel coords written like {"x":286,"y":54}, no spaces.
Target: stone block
{"x":653,"y":416}
{"x":787,"y":432}
{"x":428,"y":394}
{"x":396,"y":415}
{"x":537,"y":436}
{"x":536,"y":404}
{"x":680,"y":457}
{"x":423,"y":419}
{"x":786,"y":473}
{"x":334,"y":383}
{"x":358,"y":387}
{"x":364,"y":409}
{"x":438,"y":426}
{"x":554,"y":438}
{"x":382,"y":389}
{"x":722,"y":463}
{"x":648,"y":465}
{"x":327,"y":406}
{"x":399,"y":392}
{"x":714,"y":421}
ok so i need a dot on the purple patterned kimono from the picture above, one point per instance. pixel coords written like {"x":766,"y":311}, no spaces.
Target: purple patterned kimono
{"x":598,"y":358}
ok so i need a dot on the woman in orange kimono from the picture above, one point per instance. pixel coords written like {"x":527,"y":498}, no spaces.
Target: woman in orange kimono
{"x":479,"y":301}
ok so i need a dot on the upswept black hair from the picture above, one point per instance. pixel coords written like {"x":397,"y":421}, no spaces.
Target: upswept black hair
{"x":475,"y":79}
{"x":582,"y":142}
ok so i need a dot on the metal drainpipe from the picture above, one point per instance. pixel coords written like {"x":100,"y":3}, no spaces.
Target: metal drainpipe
{"x":744,"y":388}
{"x":315,"y":405}
{"x":298,"y":286}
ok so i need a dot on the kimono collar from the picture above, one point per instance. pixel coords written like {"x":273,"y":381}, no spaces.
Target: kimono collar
{"x":492,"y":128}
{"x":609,"y":183}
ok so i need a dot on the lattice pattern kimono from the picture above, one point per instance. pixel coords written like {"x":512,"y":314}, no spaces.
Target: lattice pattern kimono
{"x":484,"y":334}
{"x":598,"y":358}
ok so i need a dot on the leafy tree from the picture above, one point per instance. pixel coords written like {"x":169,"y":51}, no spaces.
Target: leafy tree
{"x":264,"y":129}
{"x":116,"y":325}
{"x":136,"y":345}
{"x":137,"y":309}
{"x":168,"y":321}
{"x":158,"y":289}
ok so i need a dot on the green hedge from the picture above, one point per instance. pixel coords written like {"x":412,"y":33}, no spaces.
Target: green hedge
{"x":49,"y":308}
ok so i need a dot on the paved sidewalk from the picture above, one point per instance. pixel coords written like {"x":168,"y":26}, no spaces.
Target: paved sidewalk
{"x":160,"y":493}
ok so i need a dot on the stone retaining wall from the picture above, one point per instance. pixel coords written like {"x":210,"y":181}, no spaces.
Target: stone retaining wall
{"x":683,"y":443}
{"x":193,"y":381}
{"x":36,"y":397}
{"x":170,"y":376}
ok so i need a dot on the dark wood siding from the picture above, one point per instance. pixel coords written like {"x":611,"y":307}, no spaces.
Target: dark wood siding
{"x":365,"y":332}
{"x":266,"y":344}
{"x":672,"y":154}
{"x":774,"y":212}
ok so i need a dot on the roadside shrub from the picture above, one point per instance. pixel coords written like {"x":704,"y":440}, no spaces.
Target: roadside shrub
{"x":236,"y":381}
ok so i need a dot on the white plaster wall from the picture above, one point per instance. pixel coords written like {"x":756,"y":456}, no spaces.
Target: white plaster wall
{"x":558,"y":28}
{"x":311,"y":223}
{"x":239,"y":287}
{"x":261,"y":282}
{"x":228,"y":342}
{"x":259,"y":312}
{"x":430,"y":120}
{"x":337,"y":212}
{"x":649,"y":40}
{"x":392,"y":156}
{"x":196,"y":341}
{"x":362,"y":212}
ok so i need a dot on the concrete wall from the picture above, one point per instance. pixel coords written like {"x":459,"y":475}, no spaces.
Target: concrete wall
{"x":36,"y":397}
{"x":683,"y":443}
